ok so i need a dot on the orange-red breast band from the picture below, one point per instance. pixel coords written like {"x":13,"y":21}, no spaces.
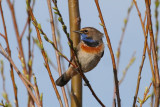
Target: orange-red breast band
{"x":93,"y":50}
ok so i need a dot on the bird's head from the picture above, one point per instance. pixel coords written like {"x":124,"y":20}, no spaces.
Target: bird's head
{"x":90,"y":34}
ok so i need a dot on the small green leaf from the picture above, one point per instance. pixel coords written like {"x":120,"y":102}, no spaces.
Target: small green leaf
{"x":147,"y":97}
{"x":140,"y":101}
{"x":56,"y":12}
{"x":30,"y":62}
{"x":60,"y":19}
{"x":45,"y":37}
{"x":146,"y":89}
{"x":157,"y":4}
{"x":41,"y":97}
{"x":39,"y":26}
{"x":55,"y":8}
{"x":101,"y":24}
{"x":4,"y":94}
{"x":125,"y":21}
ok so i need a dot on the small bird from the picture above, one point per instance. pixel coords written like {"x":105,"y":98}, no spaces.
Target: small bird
{"x":89,"y":52}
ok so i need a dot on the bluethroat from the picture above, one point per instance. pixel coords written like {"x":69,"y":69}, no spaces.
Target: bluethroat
{"x":89,"y":51}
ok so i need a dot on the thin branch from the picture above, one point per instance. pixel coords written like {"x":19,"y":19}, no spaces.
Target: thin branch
{"x":17,"y":34}
{"x":24,"y":29}
{"x":145,"y":17}
{"x":61,"y":49}
{"x":111,"y":53}
{"x":149,"y":21}
{"x":140,"y":71}
{"x":2,"y":35}
{"x":30,"y":54}
{"x":57,"y":55}
{"x":36,"y":89}
{"x":9,"y":53}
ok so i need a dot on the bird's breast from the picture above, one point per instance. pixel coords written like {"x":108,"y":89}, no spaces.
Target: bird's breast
{"x":89,"y":56}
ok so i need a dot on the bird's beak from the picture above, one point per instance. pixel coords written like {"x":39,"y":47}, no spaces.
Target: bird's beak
{"x":78,"y":31}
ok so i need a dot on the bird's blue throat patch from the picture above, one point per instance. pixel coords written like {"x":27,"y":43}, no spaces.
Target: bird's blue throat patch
{"x":89,"y":41}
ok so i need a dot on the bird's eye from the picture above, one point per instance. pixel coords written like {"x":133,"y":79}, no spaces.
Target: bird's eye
{"x":85,"y":31}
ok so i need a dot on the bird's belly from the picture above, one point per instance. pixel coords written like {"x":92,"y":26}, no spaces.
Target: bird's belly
{"x":88,"y":61}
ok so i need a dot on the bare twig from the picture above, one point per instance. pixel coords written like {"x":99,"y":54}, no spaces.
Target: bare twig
{"x":149,"y":21}
{"x":140,"y":71}
{"x":9,"y":53}
{"x":2,"y":35}
{"x":28,"y":22}
{"x":111,"y":53}
{"x":57,"y":55}
{"x":11,"y":6}
{"x":25,"y":27}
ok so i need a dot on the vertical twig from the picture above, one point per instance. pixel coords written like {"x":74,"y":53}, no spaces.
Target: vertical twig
{"x":111,"y":53}
{"x":57,"y":55}
{"x":140,"y":71}
{"x":11,"y":6}
{"x":30,"y":55}
{"x":157,"y":84}
{"x":9,"y":53}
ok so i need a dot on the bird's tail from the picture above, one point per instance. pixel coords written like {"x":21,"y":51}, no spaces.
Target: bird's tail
{"x":63,"y":80}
